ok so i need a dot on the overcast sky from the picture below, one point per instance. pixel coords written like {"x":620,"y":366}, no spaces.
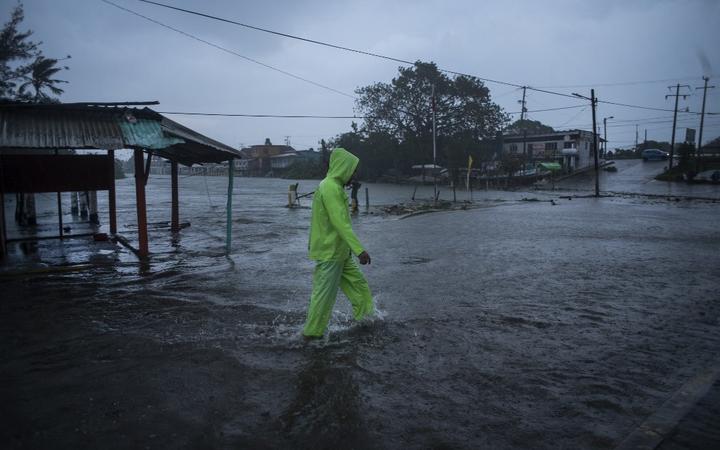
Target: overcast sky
{"x":565,"y":46}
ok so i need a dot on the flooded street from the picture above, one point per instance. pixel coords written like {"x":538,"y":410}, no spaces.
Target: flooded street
{"x":513,"y":324}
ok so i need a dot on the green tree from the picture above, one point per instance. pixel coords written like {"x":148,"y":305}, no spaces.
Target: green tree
{"x":510,"y":164}
{"x":42,"y":71}
{"x":528,"y":126}
{"x":15,"y":47}
{"x":403,"y":110}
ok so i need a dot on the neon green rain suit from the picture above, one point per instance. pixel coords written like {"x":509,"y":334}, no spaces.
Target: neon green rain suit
{"x":332,"y":243}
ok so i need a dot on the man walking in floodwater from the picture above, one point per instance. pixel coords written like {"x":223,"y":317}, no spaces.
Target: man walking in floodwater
{"x":332,"y":244}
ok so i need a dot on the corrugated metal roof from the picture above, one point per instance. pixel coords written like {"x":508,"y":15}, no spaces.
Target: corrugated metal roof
{"x":87,"y":126}
{"x":44,"y":128}
{"x":146,"y":133}
{"x":196,"y":147}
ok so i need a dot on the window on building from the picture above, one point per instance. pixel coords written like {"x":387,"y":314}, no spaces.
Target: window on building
{"x":568,"y":144}
{"x":551,"y":146}
{"x":513,"y":148}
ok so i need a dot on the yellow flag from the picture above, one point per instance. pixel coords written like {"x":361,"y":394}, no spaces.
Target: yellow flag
{"x":467,"y":180}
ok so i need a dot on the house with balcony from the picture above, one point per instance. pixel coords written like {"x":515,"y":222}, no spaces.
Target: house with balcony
{"x":572,"y":149}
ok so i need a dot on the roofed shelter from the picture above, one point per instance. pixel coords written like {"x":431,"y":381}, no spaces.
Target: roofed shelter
{"x":30,"y":132}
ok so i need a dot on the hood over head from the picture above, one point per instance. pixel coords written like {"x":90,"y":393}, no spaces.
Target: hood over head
{"x":342,"y":165}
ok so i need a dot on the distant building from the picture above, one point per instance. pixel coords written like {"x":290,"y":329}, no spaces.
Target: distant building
{"x":309,"y":155}
{"x":260,"y":159}
{"x":283,"y":160}
{"x":572,"y":149}
{"x":266,"y":151}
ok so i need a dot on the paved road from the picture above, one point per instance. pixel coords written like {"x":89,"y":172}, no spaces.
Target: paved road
{"x":637,"y":176}
{"x":700,"y":428}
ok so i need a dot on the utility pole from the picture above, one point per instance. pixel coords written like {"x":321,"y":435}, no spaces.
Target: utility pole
{"x":702,"y":114}
{"x":523,"y":110}
{"x":593,"y":100}
{"x":605,"y":133}
{"x":636,"y":136}
{"x":434,"y":147}
{"x":677,"y":97}
{"x":593,"y":103}
{"x":645,"y":140}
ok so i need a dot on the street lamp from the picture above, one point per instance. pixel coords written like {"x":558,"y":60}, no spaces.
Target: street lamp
{"x":593,"y":103}
{"x":605,"y":134}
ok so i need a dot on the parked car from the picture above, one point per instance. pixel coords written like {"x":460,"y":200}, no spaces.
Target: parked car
{"x":654,"y":154}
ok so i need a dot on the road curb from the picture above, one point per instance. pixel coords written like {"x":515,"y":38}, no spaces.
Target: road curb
{"x":658,"y":426}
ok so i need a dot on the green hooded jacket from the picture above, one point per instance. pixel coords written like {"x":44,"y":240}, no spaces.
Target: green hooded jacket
{"x":331,"y":234}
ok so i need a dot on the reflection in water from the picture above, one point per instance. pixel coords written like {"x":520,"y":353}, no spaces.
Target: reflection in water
{"x":325,"y":412}
{"x":521,"y":326}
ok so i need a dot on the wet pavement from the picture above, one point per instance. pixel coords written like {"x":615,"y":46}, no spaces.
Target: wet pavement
{"x":700,"y":428}
{"x":515,"y":324}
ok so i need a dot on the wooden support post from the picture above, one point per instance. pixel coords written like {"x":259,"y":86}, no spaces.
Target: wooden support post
{"x":111,"y":194}
{"x":175,"y":220}
{"x":59,"y":206}
{"x":146,"y":173}
{"x":84,"y":200}
{"x":74,"y":207}
{"x":3,"y":237}
{"x":140,"y":200}
{"x":93,"y":207}
{"x":60,"y":221}
{"x":231,"y":171}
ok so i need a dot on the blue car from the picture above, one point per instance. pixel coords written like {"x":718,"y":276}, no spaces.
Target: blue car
{"x":654,"y":154}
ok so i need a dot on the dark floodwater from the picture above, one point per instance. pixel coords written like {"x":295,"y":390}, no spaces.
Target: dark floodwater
{"x":514,"y":325}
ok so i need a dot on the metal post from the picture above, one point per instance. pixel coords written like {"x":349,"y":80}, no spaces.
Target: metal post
{"x":524,"y":127}
{"x":434,"y":147}
{"x":367,"y":198}
{"x":672,"y":142}
{"x":593,"y":100}
{"x":702,"y":114}
{"x":143,"y":251}
{"x":175,"y":219}
{"x":111,"y":194}
{"x":677,"y":98}
{"x":231,"y":171}
{"x":605,"y":134}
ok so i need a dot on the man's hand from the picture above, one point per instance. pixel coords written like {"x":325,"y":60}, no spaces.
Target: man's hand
{"x":364,"y":258}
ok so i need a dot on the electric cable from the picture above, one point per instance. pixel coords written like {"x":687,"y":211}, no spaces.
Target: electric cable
{"x":232,"y":52}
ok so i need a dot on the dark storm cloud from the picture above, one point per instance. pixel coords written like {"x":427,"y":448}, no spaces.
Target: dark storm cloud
{"x":119,"y":56}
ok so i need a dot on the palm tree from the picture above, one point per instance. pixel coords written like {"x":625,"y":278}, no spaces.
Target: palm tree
{"x":40,"y":77}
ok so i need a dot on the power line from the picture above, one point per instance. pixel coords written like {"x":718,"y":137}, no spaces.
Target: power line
{"x":620,"y":83}
{"x":547,"y":109}
{"x":340,"y":47}
{"x":346,"y":49}
{"x":274,"y":116}
{"x":284,"y":72}
{"x":390,"y":58}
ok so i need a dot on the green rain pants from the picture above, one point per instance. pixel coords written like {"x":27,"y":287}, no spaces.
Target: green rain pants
{"x":328,"y":276}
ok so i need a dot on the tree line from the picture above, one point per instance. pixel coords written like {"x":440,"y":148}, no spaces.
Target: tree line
{"x":397,"y":129}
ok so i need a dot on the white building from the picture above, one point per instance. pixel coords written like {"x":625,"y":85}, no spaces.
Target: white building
{"x":572,"y":149}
